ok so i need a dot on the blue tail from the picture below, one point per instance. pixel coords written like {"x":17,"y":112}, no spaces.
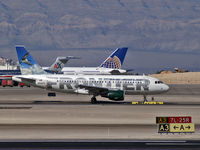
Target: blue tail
{"x":116,"y":59}
{"x":27,"y":64}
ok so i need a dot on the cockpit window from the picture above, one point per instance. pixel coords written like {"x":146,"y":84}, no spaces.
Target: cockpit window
{"x":158,"y":82}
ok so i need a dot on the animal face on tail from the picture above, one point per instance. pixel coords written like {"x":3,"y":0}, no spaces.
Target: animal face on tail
{"x":27,"y":64}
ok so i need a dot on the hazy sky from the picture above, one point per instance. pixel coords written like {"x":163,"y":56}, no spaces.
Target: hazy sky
{"x":160,"y":34}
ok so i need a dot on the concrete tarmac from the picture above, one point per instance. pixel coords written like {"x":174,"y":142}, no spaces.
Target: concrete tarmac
{"x":27,"y":113}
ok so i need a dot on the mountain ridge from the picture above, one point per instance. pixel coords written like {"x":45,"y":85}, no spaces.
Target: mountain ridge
{"x":156,"y":25}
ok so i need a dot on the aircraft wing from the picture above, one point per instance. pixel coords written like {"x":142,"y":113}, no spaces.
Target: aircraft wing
{"x":27,"y":80}
{"x":95,"y":90}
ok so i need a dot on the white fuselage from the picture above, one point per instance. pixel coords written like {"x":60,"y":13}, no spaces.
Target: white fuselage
{"x":130,"y":84}
{"x":89,"y":70}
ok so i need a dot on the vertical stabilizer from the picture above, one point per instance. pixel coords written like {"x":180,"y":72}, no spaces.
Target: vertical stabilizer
{"x":116,"y":59}
{"x":27,"y":64}
{"x":58,"y":65}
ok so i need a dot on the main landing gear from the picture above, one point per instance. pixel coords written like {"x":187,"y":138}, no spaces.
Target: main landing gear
{"x":93,"y":100}
{"x":145,"y":98}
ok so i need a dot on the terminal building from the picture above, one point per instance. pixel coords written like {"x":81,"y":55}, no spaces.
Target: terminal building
{"x":8,"y":67}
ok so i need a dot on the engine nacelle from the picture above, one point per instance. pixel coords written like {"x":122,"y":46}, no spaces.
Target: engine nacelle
{"x":116,"y":95}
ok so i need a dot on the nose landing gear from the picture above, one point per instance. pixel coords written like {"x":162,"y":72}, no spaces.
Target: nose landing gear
{"x":145,"y":98}
{"x":93,"y":100}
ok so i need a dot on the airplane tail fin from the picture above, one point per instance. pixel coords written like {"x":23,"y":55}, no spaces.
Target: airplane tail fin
{"x":58,"y":65}
{"x":27,"y":64}
{"x":116,"y":59}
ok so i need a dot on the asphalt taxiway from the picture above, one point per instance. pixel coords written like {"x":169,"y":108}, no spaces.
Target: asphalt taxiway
{"x":27,"y":113}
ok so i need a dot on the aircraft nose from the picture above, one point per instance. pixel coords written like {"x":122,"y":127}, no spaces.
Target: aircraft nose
{"x":167,"y":88}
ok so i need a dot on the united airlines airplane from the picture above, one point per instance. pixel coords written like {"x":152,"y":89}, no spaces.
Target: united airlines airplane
{"x":110,"y":66}
{"x":113,"y":87}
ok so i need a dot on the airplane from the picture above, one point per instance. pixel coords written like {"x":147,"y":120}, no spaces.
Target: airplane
{"x":113,"y":87}
{"x":112,"y":65}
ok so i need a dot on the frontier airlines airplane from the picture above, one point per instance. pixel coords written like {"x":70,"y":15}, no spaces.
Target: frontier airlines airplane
{"x":113,"y":87}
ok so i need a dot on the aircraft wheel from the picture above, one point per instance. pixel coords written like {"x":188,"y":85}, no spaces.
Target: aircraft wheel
{"x":51,"y":94}
{"x":145,"y":98}
{"x":93,"y":100}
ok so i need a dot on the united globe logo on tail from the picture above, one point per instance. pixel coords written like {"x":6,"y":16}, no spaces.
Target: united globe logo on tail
{"x":114,"y":63}
{"x":116,"y":59}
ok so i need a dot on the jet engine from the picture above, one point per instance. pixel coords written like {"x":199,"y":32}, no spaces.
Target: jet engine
{"x":116,"y":95}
